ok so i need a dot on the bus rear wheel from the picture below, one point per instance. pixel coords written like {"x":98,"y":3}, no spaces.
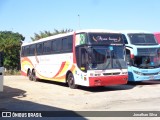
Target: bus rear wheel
{"x":34,"y":78}
{"x":71,"y":81}
{"x":30,"y":75}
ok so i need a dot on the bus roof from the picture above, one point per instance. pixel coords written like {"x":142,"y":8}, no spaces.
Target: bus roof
{"x":96,"y":30}
{"x":134,"y":31}
{"x":71,"y":33}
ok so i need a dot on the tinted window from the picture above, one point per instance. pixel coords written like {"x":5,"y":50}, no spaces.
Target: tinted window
{"x":56,"y":45}
{"x":39,"y":48}
{"x":70,"y":43}
{"x":67,"y":43}
{"x":32,"y":49}
{"x":47,"y":47}
{"x":142,"y":39}
{"x":27,"y":50}
{"x":59,"y":44}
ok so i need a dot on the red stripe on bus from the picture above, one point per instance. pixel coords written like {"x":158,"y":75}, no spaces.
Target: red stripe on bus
{"x":73,"y":68}
{"x":23,"y":73}
{"x":62,"y":66}
{"x":26,"y":59}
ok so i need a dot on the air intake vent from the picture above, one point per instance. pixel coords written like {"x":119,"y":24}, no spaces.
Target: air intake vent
{"x":116,"y":73}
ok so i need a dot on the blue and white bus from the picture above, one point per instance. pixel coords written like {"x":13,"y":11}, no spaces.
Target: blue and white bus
{"x":142,"y":56}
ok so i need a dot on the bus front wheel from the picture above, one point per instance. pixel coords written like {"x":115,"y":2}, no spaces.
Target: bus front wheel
{"x":71,"y":81}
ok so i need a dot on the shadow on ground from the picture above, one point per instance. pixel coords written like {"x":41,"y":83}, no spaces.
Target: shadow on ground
{"x":92,"y":89}
{"x":129,"y":85}
{"x":9,"y":102}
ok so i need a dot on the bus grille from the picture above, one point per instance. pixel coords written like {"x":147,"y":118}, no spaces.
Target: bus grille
{"x":150,"y":73}
{"x":116,"y":73}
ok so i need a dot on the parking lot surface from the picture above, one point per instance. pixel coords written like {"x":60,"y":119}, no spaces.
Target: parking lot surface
{"x":20,"y":94}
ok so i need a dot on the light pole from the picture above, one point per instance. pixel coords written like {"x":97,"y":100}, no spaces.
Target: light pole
{"x":79,"y":21}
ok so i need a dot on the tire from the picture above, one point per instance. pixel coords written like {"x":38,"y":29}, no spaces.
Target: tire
{"x":71,"y":81}
{"x":30,"y":75}
{"x":34,"y":78}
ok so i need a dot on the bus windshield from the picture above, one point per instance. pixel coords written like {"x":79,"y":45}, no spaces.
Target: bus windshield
{"x":107,"y":57}
{"x":142,"y":39}
{"x":147,"y":61}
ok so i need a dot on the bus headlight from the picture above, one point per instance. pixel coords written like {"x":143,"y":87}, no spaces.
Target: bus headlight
{"x":138,"y":73}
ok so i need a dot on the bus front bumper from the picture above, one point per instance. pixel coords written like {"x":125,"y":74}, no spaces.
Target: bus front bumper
{"x":108,"y":80}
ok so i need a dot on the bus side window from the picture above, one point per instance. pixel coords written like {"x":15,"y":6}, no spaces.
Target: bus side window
{"x":53,"y":45}
{"x":47,"y":47}
{"x":27,"y":50}
{"x":39,"y":49}
{"x":59,"y":45}
{"x":56,"y":45}
{"x":67,"y":44}
{"x":70,"y":43}
{"x":31,"y":49}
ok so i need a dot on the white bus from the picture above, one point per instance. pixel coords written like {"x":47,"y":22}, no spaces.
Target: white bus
{"x":1,"y":71}
{"x":85,"y":57}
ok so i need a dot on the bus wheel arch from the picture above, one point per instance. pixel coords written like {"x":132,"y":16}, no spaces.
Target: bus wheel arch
{"x":70,"y":80}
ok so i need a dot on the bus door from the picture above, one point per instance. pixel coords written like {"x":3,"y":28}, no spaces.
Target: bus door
{"x":82,"y":58}
{"x":1,"y":71}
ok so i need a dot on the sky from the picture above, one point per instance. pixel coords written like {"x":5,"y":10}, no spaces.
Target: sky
{"x":32,"y":16}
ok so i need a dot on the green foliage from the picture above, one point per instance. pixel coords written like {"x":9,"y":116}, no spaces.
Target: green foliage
{"x":10,"y":45}
{"x":48,"y":33}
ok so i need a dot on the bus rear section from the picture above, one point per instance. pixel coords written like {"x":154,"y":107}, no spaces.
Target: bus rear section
{"x":142,"y":56}
{"x":1,"y":71}
{"x":86,"y":57}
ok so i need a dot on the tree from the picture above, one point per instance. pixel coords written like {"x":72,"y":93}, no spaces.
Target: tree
{"x":10,"y":45}
{"x":48,"y":33}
